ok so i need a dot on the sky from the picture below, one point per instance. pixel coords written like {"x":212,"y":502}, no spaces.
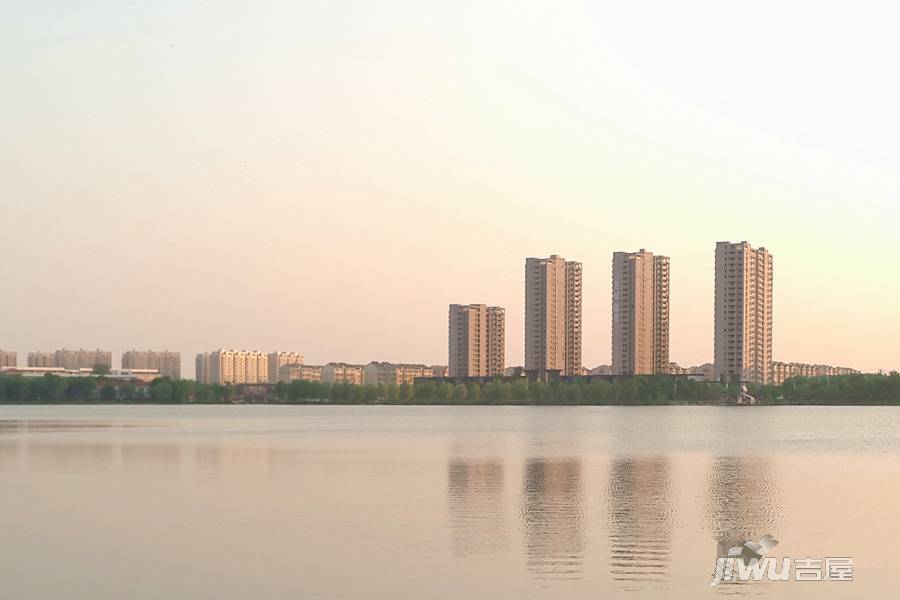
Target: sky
{"x":326,"y":177}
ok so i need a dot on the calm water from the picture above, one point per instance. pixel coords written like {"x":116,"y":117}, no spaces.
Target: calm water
{"x":439,"y":502}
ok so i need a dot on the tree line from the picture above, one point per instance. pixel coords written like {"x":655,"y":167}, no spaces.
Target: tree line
{"x":55,"y":389}
{"x":644,"y":390}
{"x":844,"y":389}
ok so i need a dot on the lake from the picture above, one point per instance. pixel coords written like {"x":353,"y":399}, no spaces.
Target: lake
{"x":222,"y":502}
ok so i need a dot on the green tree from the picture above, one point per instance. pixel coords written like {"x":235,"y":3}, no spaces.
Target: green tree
{"x":370,"y":394}
{"x":405,"y":393}
{"x":444,"y":392}
{"x":128,"y":392}
{"x":424,"y":391}
{"x":160,"y":391}
{"x":572,"y":393}
{"x":460,"y":393}
{"x":391,"y":393}
{"x":80,"y":389}
{"x":203,"y":394}
{"x":108,"y":393}
{"x":519,"y":390}
{"x":492,"y":391}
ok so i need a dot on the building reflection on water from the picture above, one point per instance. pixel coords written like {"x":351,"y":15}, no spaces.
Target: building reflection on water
{"x":640,"y":520}
{"x":9,"y":456}
{"x":69,"y":458}
{"x":158,"y":458}
{"x":475,"y":500}
{"x":742,"y":500}
{"x":552,"y":513}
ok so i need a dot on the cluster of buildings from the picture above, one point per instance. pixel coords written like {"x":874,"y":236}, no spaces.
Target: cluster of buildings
{"x":553,"y":334}
{"x":243,"y":367}
{"x":168,"y":364}
{"x":136,"y":364}
{"x":477,"y":332}
{"x":70,"y":359}
{"x":640,"y":322}
{"x":782,"y":371}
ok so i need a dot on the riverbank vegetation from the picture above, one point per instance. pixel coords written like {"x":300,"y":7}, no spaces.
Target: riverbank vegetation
{"x":647,"y":390}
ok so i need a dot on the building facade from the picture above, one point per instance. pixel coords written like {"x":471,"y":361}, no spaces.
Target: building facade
{"x":82,"y":359}
{"x":279,"y":359}
{"x":640,"y":313}
{"x":743,"y":313}
{"x":552,"y":317}
{"x":40,"y":359}
{"x":382,"y":373}
{"x":232,"y":366}
{"x":167,"y":363}
{"x":8,"y":358}
{"x":477,"y":340}
{"x":343,"y":373}
{"x":707,"y":370}
{"x":289,"y":373}
{"x":135,"y":375}
{"x":782,"y":371}
{"x":201,"y":368}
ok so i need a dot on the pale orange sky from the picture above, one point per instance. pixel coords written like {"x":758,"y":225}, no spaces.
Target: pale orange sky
{"x":327,"y":178}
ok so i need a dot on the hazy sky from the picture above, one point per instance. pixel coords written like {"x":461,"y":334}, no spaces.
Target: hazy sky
{"x":328,"y":176}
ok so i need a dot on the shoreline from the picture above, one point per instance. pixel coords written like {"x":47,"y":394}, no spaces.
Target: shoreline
{"x":498,"y":404}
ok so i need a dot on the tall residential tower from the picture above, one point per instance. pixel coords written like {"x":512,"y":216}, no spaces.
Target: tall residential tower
{"x":477,"y":340}
{"x":552,"y":317}
{"x":743,"y":328}
{"x":8,"y":358}
{"x":640,"y":313}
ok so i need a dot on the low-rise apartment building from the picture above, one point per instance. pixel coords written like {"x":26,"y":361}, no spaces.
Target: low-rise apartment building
{"x":280,"y":359}
{"x":381,"y":373}
{"x":343,"y":373}
{"x":783,"y":371}
{"x":289,"y":373}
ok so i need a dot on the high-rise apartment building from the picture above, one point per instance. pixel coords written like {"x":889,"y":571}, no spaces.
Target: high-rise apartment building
{"x":40,"y":359}
{"x":201,"y":368}
{"x":82,"y":359}
{"x":167,"y":363}
{"x":233,"y":366}
{"x":477,"y":340}
{"x":279,"y":359}
{"x":640,"y":313}
{"x":552,"y":317}
{"x":8,"y":358}
{"x":743,"y":314}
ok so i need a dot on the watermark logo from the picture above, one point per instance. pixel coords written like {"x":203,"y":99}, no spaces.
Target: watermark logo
{"x":748,"y":562}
